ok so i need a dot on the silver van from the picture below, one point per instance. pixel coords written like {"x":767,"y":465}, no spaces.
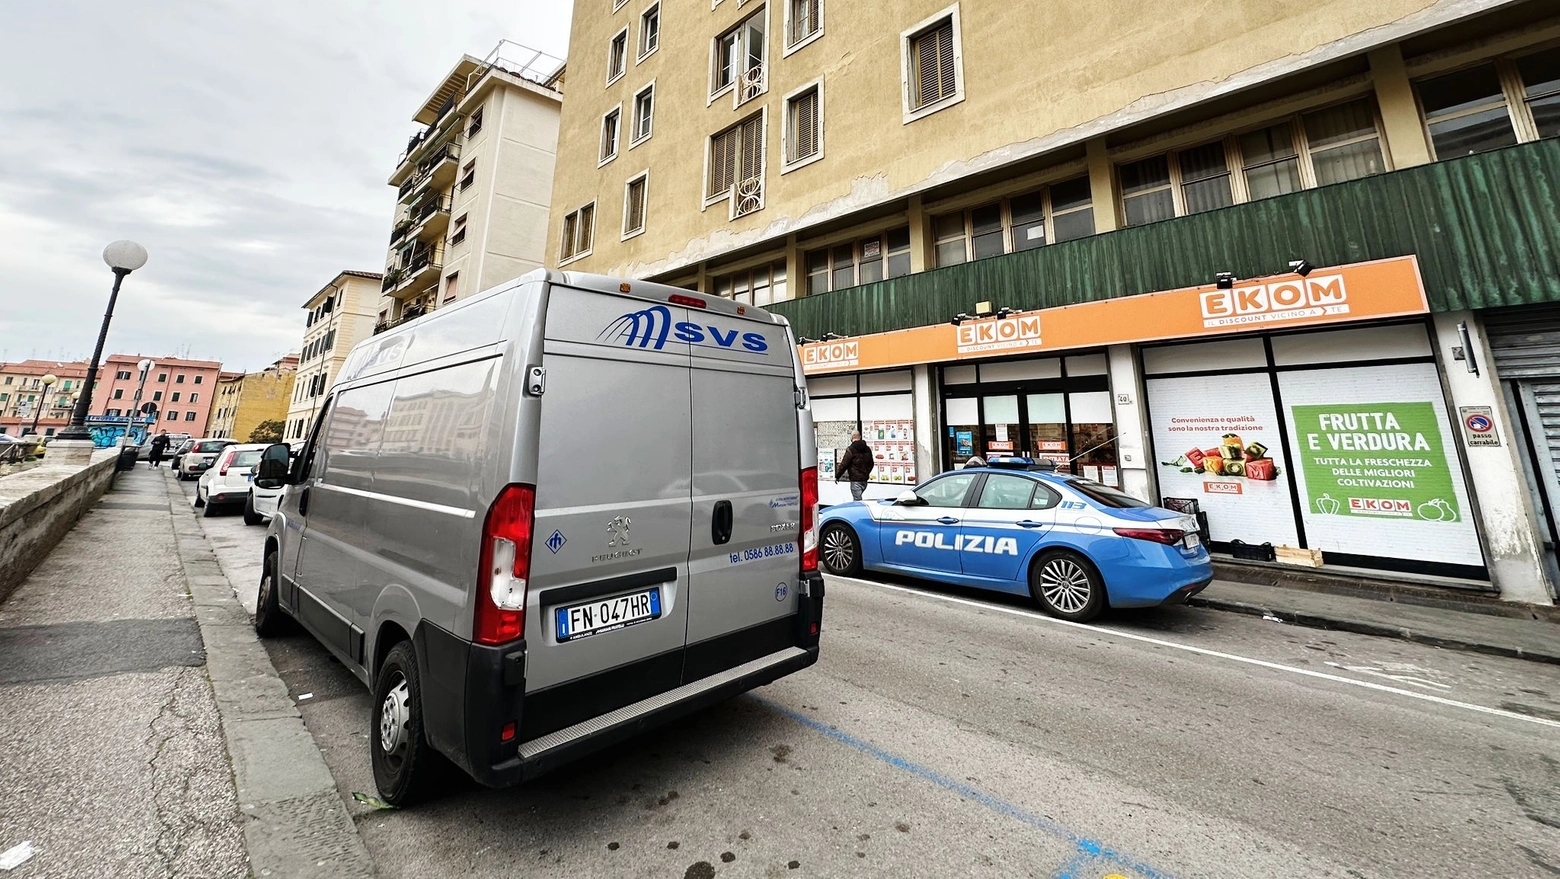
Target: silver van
{"x":545,"y":518}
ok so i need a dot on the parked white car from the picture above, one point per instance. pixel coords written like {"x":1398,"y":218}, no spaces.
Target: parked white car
{"x":263,"y":501}
{"x":200,"y":457}
{"x":226,"y":483}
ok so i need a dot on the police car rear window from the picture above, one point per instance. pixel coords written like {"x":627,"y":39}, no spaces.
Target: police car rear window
{"x":1104,"y":495}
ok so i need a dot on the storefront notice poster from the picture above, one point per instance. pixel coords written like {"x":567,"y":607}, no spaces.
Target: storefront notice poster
{"x":1377,"y":464}
{"x":1217,"y":441}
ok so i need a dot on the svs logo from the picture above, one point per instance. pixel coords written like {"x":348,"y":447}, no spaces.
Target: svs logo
{"x":653,"y":326}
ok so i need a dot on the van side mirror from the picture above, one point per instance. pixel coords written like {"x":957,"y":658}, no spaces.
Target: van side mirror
{"x":271,"y":472}
{"x":908,"y":499}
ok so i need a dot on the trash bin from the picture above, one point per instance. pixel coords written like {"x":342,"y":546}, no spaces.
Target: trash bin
{"x":127,"y":458}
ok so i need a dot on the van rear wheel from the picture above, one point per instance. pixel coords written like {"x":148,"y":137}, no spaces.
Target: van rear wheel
{"x":840,"y":550}
{"x":405,"y":765}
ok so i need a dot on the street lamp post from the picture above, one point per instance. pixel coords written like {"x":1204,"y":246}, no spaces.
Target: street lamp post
{"x":123,"y":257}
{"x":43,"y":398}
{"x":145,"y":366}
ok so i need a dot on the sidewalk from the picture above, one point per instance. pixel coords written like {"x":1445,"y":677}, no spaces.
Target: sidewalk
{"x":1523,"y":638}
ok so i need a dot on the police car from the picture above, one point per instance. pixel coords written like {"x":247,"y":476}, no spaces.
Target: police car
{"x":1017,"y":526}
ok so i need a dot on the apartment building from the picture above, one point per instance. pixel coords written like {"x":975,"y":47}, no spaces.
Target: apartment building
{"x":473,"y":184}
{"x":340,"y":315}
{"x":247,"y":400}
{"x":38,"y":395}
{"x":183,"y":391}
{"x":1127,"y":241}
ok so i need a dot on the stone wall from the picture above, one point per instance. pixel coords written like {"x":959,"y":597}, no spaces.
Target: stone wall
{"x":37,"y":508}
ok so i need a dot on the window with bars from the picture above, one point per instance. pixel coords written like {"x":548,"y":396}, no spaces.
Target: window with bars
{"x":644,"y":115}
{"x":761,"y":285}
{"x":611,"y":131}
{"x":578,"y":231}
{"x":617,"y":56}
{"x":933,"y":75}
{"x":1313,"y":149}
{"x":738,"y":59}
{"x":649,"y":31}
{"x":634,"y":193}
{"x":804,"y":125}
{"x":736,"y":166}
{"x":1496,"y":104}
{"x":803,"y":21}
{"x":1059,"y":212}
{"x":870,"y":259}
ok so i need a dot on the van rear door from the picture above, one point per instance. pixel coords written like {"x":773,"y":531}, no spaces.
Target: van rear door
{"x":607,"y":615}
{"x":744,"y":563}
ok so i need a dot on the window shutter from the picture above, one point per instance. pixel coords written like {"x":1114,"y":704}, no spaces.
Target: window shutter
{"x":935,"y":76}
{"x":752,"y":147}
{"x":568,"y":235}
{"x":722,"y":162}
{"x":587,"y":227}
{"x":945,"y":71}
{"x":804,"y":126}
{"x":635,"y":219}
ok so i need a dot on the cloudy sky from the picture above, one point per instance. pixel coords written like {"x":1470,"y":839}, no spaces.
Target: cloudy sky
{"x":245,"y":144}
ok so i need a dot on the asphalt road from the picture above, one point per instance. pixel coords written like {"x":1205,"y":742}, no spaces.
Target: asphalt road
{"x":950,"y":733}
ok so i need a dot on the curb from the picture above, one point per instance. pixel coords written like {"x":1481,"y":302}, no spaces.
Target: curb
{"x":1314,"y":621}
{"x":295,"y":823}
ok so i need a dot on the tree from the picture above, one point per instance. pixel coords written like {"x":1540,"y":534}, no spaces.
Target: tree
{"x":267,"y":432}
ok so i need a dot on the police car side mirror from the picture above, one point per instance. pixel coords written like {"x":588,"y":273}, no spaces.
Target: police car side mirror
{"x":271,"y":472}
{"x":908,"y":499}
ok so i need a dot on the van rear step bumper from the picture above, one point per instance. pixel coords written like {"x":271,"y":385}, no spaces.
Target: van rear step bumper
{"x":556,"y":748}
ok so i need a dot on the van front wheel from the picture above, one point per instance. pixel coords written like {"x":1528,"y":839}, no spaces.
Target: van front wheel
{"x":404,"y":763}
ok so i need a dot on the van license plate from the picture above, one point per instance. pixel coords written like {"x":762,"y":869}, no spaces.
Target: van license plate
{"x":582,"y":620}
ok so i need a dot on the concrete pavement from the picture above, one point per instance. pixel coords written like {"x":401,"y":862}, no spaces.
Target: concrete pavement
{"x":954,"y":733}
{"x":113,"y":761}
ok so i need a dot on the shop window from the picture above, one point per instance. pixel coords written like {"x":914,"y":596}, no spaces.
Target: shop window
{"x":761,"y":285}
{"x":649,"y":32}
{"x":1037,"y":407}
{"x":879,"y":405}
{"x":871,"y":259}
{"x":611,"y":132}
{"x":1466,"y":113}
{"x":1018,"y":223}
{"x":578,"y":232}
{"x":617,"y":56}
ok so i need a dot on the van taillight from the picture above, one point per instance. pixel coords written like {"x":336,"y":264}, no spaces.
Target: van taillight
{"x":810,"y":519}
{"x":690,"y":301}
{"x":506,"y":566}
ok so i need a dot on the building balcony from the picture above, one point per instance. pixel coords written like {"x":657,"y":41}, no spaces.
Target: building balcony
{"x":1486,"y":230}
{"x":409,"y":314}
{"x":430,"y":218}
{"x":436,"y":172}
{"x":414,"y":272}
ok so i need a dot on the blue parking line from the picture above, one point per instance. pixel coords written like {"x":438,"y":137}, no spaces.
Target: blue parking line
{"x":1087,"y":849}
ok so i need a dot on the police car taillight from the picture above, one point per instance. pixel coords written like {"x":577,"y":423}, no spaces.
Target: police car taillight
{"x":1167,"y":536}
{"x":505,"y":567}
{"x":810,"y":519}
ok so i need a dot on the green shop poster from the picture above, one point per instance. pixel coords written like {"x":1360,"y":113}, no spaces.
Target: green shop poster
{"x":1375,"y":459}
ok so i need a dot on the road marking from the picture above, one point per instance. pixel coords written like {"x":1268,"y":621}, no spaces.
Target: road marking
{"x":1203,"y":651}
{"x":1087,"y":850}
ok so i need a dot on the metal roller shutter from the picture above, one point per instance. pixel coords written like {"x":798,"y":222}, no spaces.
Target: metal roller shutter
{"x":1525,"y":343}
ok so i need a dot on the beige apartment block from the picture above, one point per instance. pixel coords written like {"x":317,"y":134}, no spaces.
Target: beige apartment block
{"x":247,"y":400}
{"x":473,"y":184}
{"x":340,"y":315}
{"x":727,"y":139}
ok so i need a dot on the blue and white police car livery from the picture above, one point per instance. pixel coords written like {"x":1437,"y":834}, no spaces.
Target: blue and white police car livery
{"x":1076,"y":546}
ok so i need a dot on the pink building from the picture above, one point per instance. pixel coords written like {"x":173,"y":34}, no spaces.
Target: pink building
{"x":182,"y":389}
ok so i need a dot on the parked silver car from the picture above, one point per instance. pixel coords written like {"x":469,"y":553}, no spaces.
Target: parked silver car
{"x":515,"y":520}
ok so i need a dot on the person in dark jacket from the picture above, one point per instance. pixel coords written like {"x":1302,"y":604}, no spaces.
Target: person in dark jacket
{"x":159,"y":447}
{"x":856,"y":465}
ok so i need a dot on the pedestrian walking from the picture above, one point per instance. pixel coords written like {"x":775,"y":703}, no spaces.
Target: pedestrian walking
{"x":159,"y":446}
{"x":856,"y":465}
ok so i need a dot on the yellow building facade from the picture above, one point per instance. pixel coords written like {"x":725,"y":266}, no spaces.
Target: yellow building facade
{"x":246,"y":400}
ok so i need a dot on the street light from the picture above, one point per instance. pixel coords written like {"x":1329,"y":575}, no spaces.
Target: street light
{"x":123,"y":257}
{"x":145,"y":368}
{"x":43,"y":398}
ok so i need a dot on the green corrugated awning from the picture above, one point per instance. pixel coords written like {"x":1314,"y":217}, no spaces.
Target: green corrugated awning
{"x":1486,"y":229}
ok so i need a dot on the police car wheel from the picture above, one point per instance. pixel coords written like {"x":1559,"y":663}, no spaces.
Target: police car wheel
{"x":405,"y":765}
{"x":840,"y":550}
{"x":1066,"y":585}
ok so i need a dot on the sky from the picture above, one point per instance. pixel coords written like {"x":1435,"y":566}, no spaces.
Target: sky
{"x":246,"y":145}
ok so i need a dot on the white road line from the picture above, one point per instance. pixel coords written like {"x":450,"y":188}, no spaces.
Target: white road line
{"x":1203,"y":651}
